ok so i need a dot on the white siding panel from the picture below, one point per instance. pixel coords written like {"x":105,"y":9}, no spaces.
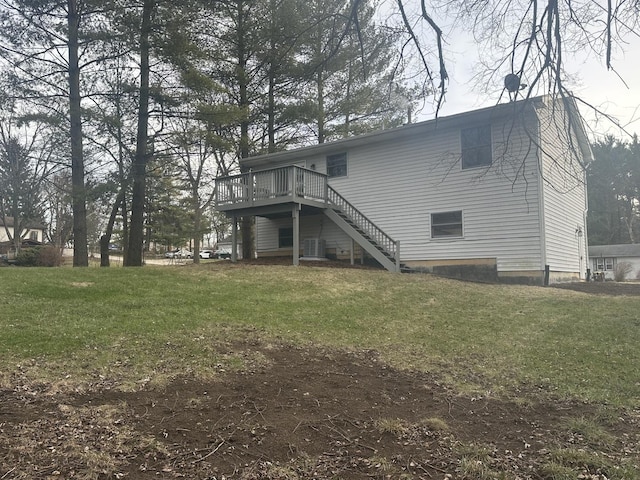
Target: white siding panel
{"x":399,"y":185}
{"x":564,"y":193}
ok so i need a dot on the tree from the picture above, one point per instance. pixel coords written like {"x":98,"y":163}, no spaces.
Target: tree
{"x":139,"y":170}
{"x":41,"y":45}
{"x":196,"y":169}
{"x":529,"y":38}
{"x":58,"y":212}
{"x":27,"y":150}
{"x":614,"y":192}
{"x":356,"y":81}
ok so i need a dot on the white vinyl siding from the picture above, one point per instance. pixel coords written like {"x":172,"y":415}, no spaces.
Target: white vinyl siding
{"x":400,"y":180}
{"x":564,"y":194}
{"x":398,"y":185}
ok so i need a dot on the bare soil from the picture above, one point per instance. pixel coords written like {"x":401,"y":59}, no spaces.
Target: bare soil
{"x":298,"y":413}
{"x":604,"y":288}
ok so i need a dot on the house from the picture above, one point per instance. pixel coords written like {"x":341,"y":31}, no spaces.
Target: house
{"x":605,"y":259}
{"x":492,"y":194}
{"x":33,"y":236}
{"x":225,"y":246}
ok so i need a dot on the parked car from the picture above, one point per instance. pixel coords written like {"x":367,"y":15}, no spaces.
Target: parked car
{"x":179,"y":254}
{"x":222,"y":254}
{"x":207,"y":254}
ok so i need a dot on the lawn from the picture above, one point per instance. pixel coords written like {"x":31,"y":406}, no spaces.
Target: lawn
{"x":83,"y":331}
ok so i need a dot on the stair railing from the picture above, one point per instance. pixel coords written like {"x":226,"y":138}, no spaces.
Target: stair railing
{"x":374,"y":232}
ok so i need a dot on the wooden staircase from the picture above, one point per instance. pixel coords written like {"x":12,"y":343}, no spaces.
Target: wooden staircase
{"x":363,"y":231}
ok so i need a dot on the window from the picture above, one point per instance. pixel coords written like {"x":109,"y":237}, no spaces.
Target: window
{"x":285,"y":237}
{"x":337,"y":165}
{"x":33,"y":235}
{"x":604,"y":264}
{"x":476,"y":147}
{"x":446,"y":224}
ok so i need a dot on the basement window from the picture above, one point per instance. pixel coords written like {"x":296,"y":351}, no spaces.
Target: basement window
{"x":285,"y":237}
{"x":476,"y":147}
{"x":446,"y":224}
{"x":337,"y":165}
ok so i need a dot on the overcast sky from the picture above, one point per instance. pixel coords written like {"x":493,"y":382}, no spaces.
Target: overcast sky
{"x":601,"y":88}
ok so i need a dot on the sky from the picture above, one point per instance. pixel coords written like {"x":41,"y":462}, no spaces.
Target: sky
{"x":615,"y":93}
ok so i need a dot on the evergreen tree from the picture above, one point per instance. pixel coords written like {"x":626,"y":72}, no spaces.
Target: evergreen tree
{"x":614,"y":192}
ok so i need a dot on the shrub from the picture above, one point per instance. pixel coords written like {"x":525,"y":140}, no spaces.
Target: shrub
{"x":49,"y":257}
{"x":27,"y":257}
{"x":621,"y":271}
{"x":39,"y":257}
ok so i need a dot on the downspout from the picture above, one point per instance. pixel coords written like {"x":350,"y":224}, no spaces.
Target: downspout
{"x":584,"y":227}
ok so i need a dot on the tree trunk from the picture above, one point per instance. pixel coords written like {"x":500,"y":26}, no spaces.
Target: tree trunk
{"x":321,"y":115}
{"x":78,"y":193}
{"x":139,"y":170}
{"x":247,"y":222}
{"x":197,"y":222}
{"x":106,"y":238}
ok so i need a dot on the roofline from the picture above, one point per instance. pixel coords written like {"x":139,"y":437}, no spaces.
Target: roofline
{"x":494,"y":111}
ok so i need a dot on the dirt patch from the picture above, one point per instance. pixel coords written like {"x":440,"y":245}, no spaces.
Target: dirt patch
{"x":302,"y":413}
{"x":603,"y":288}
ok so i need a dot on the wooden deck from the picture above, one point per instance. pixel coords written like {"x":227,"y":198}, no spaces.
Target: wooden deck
{"x":273,"y":192}
{"x":294,"y":191}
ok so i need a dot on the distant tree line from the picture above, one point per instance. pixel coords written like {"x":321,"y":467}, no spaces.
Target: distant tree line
{"x":156,"y":98}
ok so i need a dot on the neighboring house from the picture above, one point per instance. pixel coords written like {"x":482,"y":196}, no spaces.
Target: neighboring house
{"x":492,"y":194}
{"x":34,"y":233}
{"x":605,"y":258}
{"x":225,"y":245}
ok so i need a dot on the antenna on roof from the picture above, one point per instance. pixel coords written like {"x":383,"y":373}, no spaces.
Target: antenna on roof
{"x":513,"y":85}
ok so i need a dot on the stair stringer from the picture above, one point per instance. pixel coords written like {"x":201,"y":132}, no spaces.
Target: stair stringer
{"x":366,"y":244}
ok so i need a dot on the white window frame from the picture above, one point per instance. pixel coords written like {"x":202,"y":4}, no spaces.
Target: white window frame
{"x":604,"y":264}
{"x":441,"y":224}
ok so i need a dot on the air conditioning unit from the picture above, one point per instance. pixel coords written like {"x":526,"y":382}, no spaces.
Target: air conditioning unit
{"x":314,"y":247}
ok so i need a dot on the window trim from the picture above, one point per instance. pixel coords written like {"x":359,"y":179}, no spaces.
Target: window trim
{"x":441,"y":224}
{"x":334,"y":157}
{"x":604,"y":264}
{"x":476,"y":148}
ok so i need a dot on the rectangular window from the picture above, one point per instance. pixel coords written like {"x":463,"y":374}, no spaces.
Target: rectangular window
{"x":33,"y":235}
{"x":608,"y":263}
{"x":337,"y":165}
{"x":446,"y":224}
{"x":285,"y":237}
{"x":599,"y":264}
{"x":476,"y":147}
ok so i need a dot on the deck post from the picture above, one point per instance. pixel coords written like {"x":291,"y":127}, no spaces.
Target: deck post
{"x":295,"y":213}
{"x":234,"y":238}
{"x":353,"y":246}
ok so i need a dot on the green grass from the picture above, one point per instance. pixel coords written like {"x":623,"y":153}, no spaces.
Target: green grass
{"x":149,"y":322}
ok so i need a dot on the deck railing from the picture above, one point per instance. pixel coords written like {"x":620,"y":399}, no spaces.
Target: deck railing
{"x":295,"y":184}
{"x":358,"y":218}
{"x":250,"y":188}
